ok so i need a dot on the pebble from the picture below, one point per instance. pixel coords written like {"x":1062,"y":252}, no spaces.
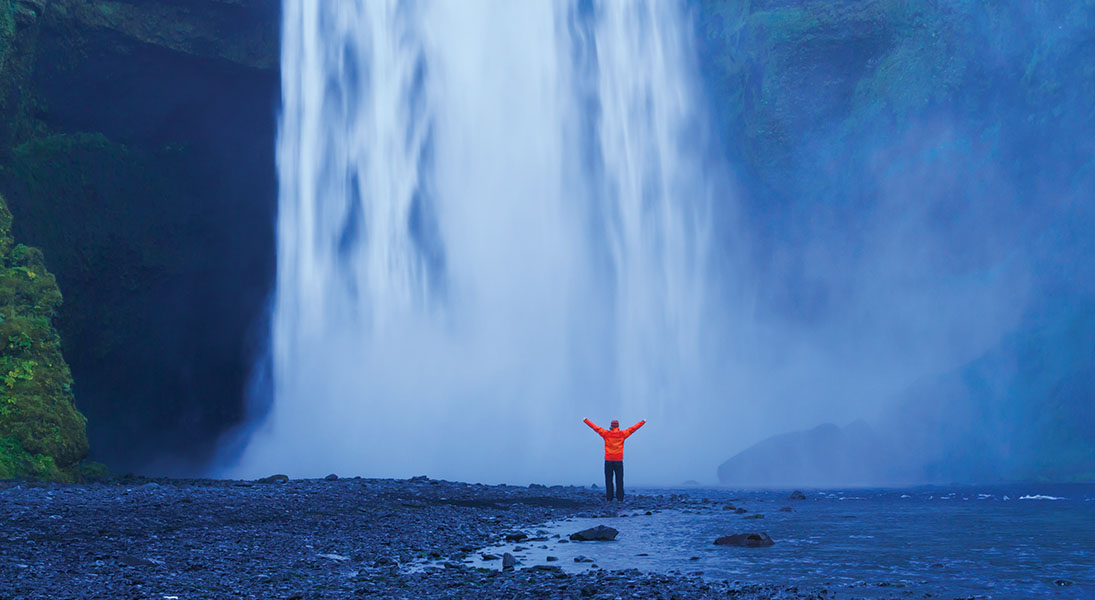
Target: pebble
{"x":307,"y":539}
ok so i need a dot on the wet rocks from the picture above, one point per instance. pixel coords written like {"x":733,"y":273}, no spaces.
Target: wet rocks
{"x":136,"y":561}
{"x":508,"y":561}
{"x":331,"y":477}
{"x":600,"y":533}
{"x":582,"y":559}
{"x":279,"y":478}
{"x":746,"y":540}
{"x":359,"y":538}
{"x":797,"y":495}
{"x":754,"y":516}
{"x":516,"y":537}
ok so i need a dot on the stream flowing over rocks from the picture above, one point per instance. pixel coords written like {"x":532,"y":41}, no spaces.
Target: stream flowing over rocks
{"x":304,"y":539}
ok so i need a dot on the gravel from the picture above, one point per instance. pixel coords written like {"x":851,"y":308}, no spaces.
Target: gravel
{"x":304,"y":539}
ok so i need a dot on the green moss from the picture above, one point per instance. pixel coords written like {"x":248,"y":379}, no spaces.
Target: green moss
{"x":15,"y":462}
{"x":44,"y":433}
{"x":92,"y":470}
{"x":7,"y":30}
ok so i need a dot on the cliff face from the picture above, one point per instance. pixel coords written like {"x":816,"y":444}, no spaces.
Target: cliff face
{"x":136,"y":149}
{"x":41,"y":432}
{"x":137,"y":140}
{"x":241,"y":32}
{"x":894,"y":147}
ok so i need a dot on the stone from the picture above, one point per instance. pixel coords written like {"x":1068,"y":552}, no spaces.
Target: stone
{"x":136,"y":561}
{"x":331,"y":477}
{"x":552,"y":558}
{"x":746,"y":540}
{"x":508,"y":561}
{"x":797,"y":495}
{"x":754,"y":516}
{"x":582,"y":559}
{"x":489,"y":556}
{"x":279,"y":478}
{"x":515,"y":537}
{"x":599,"y":533}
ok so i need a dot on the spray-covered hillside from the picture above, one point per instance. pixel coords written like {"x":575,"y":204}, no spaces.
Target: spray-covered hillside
{"x":920,"y":179}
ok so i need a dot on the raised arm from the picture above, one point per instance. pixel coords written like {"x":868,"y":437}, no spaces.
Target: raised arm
{"x":593,"y":426}
{"x":634,"y":428}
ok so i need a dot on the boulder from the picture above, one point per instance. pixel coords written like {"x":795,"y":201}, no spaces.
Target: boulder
{"x":746,"y":540}
{"x":797,"y":495}
{"x":599,"y":533}
{"x":279,"y":478}
{"x":516,"y":537}
{"x":508,"y":561}
{"x":331,"y":477}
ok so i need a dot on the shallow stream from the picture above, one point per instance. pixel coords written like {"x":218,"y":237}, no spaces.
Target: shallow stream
{"x":990,"y":542}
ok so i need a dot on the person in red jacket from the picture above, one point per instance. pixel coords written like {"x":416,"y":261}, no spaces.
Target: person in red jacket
{"x":614,"y":454}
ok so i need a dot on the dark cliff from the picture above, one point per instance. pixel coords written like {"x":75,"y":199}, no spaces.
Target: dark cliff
{"x":137,"y":151}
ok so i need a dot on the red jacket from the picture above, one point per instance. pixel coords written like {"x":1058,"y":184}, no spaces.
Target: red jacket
{"x":614,"y":438}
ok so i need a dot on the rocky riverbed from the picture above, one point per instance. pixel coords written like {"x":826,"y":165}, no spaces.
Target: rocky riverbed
{"x":303,"y":539}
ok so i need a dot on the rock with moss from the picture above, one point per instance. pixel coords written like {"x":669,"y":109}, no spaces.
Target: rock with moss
{"x":42,"y":434}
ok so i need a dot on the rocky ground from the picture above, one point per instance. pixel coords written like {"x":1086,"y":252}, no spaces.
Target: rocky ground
{"x":344,"y":538}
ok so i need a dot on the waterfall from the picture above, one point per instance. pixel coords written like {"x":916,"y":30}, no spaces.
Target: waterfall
{"x":493,"y":222}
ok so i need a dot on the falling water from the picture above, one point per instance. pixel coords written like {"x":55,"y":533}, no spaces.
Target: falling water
{"x":493,"y":223}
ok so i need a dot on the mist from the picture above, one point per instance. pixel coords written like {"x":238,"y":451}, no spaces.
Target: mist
{"x":496,"y":220}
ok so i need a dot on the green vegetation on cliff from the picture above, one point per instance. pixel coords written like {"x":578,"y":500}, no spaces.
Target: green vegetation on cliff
{"x":42,"y":434}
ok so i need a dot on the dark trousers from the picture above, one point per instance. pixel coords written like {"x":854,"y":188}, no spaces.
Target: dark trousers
{"x":614,"y":467}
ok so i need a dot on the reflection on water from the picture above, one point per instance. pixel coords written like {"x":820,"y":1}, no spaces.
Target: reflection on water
{"x":996,"y":542}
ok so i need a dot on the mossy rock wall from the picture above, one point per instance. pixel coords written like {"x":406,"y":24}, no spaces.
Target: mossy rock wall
{"x":139,"y":158}
{"x":42,"y":434}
